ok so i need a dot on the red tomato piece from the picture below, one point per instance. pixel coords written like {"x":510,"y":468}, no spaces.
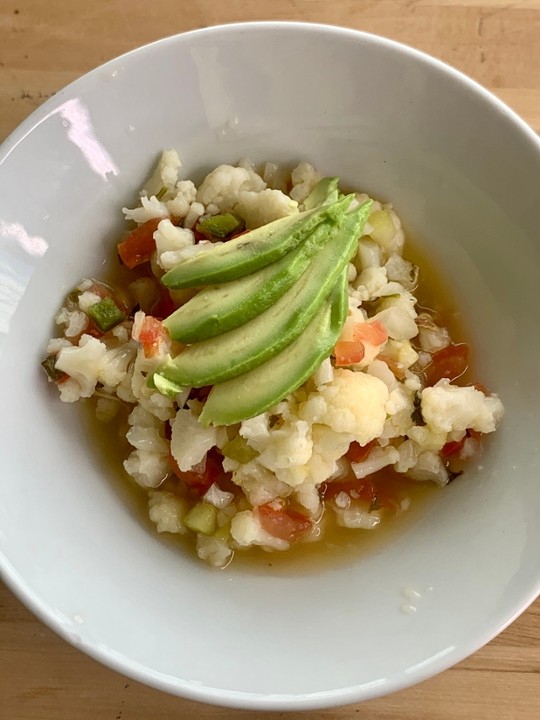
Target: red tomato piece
{"x":348,"y":352}
{"x":373,"y":333}
{"x":358,"y":453}
{"x":453,"y":448}
{"x":202,"y":475}
{"x":285,"y":524}
{"x":139,"y":245}
{"x":152,"y":332}
{"x":450,"y":362}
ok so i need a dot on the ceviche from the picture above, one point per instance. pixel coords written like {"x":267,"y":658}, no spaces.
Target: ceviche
{"x":276,"y":369}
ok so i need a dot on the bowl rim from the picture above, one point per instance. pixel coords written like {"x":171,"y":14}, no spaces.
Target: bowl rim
{"x":235,"y":698}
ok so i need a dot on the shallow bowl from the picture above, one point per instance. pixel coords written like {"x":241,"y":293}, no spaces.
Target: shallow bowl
{"x":463,"y":172}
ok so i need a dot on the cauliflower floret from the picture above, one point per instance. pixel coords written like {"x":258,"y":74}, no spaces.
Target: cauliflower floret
{"x":426,"y":438}
{"x":304,"y":177}
{"x":377,"y":459}
{"x":82,"y":363}
{"x":402,"y":271}
{"x":448,"y":408}
{"x":196,"y":209}
{"x":308,"y":496}
{"x":148,"y":464}
{"x":356,"y":404}
{"x":357,"y":518}
{"x":213,"y":550}
{"x":146,"y":468}
{"x":185,"y":194}
{"x":113,"y":367}
{"x":246,"y":529}
{"x":401,"y":352}
{"x":165,"y":173}
{"x":190,"y":441}
{"x":260,"y":208}
{"x":149,"y":209}
{"x":429,"y":467}
{"x":75,"y":322}
{"x":260,"y":484}
{"x":370,"y":282}
{"x":324,"y":373}
{"x":223,"y":186}
{"x":169,"y":239}
{"x":86,"y":299}
{"x":398,"y":316}
{"x":167,"y":510}
{"x":369,"y":255}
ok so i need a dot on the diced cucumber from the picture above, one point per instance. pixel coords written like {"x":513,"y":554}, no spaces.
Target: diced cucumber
{"x":201,"y":518}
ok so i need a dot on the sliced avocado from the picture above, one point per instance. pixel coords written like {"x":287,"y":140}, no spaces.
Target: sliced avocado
{"x":239,"y":350}
{"x":263,"y":387}
{"x":325,"y":192}
{"x":220,"y":308}
{"x":251,"y":251}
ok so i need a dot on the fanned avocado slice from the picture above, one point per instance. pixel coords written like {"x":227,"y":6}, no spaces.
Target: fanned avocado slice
{"x":220,"y":308}
{"x":237,"y":351}
{"x":253,"y":250}
{"x":325,"y":192}
{"x":256,"y":391}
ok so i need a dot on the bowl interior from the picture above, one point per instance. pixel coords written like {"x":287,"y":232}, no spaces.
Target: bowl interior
{"x":463,"y":174}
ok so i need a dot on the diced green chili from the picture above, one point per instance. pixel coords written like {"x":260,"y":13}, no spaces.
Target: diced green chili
{"x":220,"y":226}
{"x":106,"y":314}
{"x":49,"y":366}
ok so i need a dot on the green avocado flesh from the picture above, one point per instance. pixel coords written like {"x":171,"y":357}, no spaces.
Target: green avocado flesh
{"x":235,"y":352}
{"x":263,"y":387}
{"x":325,"y":192}
{"x":220,"y":308}
{"x":251,"y":251}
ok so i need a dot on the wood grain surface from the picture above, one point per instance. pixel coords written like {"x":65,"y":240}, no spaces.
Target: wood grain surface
{"x":46,"y":44}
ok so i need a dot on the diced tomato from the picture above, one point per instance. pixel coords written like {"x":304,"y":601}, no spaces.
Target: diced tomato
{"x":482,"y":388}
{"x":352,"y":351}
{"x":202,"y":475}
{"x":358,"y":453}
{"x":373,"y":333}
{"x":348,"y":352}
{"x":151,"y":334}
{"x":285,"y":523}
{"x":450,"y":362}
{"x":139,"y":245}
{"x":453,"y":448}
{"x":376,"y":490}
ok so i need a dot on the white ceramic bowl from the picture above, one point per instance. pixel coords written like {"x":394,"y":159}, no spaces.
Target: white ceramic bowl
{"x":463,"y":172}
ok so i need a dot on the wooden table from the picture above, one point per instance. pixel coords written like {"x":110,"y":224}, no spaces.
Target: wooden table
{"x":48,"y":43}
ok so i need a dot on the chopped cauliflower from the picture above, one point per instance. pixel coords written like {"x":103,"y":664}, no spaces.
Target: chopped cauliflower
{"x":356,"y":404}
{"x":167,"y":511}
{"x":260,"y":208}
{"x":82,"y":364}
{"x":246,"y":529}
{"x":224,"y":184}
{"x":149,"y":209}
{"x":304,"y":177}
{"x":169,"y":240}
{"x":190,"y":441}
{"x":165,"y":174}
{"x":185,"y":194}
{"x":447,"y":407}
